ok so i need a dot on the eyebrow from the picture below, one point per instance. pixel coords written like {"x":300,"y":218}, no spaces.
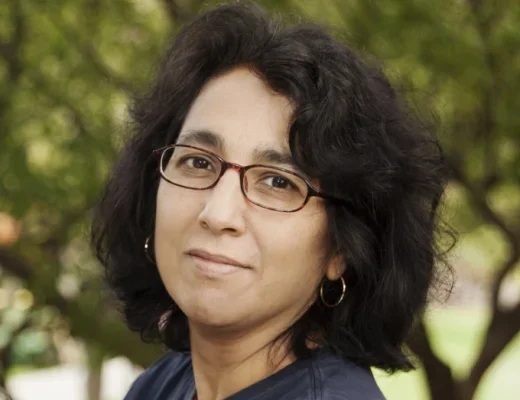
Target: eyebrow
{"x":216,"y":141}
{"x":203,"y":137}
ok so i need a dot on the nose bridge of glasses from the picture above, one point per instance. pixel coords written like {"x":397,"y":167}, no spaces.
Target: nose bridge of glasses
{"x":226,"y":165}
{"x":229,"y":165}
{"x":228,"y":186}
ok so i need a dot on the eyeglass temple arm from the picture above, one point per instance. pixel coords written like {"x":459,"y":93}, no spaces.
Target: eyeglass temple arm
{"x":157,"y":152}
{"x":333,"y":199}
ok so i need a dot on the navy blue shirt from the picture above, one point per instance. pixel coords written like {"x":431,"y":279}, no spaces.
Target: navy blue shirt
{"x":320,"y":377}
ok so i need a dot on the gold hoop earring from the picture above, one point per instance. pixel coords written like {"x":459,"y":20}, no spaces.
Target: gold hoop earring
{"x":335,"y":304}
{"x":147,"y":249}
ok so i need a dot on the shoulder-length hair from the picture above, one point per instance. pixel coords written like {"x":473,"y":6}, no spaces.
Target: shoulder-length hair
{"x":349,"y":130}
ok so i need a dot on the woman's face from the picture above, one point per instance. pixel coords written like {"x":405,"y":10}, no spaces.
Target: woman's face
{"x":282,"y":254}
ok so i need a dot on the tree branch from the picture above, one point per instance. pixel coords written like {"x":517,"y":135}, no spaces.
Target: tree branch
{"x":505,"y":324}
{"x":181,"y":14}
{"x":503,"y":328}
{"x":176,"y":13}
{"x":15,"y":265}
{"x":11,"y":51}
{"x":15,"y":44}
{"x":487,"y":125}
{"x":478,"y":198}
{"x":442,"y":384}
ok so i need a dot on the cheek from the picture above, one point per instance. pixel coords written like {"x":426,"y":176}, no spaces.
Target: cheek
{"x":176,"y":215}
{"x":295,"y":251}
{"x":175,"y":208}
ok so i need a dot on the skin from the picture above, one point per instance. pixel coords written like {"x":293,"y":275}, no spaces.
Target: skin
{"x":234,"y":318}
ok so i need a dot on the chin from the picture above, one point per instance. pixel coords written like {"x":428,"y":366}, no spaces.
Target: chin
{"x":214,"y":321}
{"x":213,"y":314}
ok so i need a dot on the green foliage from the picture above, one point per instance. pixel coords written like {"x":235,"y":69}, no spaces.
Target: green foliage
{"x":67,"y":69}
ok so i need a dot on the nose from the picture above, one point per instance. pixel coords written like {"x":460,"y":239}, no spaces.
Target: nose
{"x":224,"y":208}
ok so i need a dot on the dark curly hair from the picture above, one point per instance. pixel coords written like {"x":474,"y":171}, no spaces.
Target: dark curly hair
{"x":349,"y":130}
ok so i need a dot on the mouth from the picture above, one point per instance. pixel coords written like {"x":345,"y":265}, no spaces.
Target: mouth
{"x":215,"y":264}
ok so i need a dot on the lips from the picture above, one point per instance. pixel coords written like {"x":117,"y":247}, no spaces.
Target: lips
{"x":216,"y":258}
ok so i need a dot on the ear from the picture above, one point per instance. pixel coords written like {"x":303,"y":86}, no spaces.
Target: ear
{"x":335,"y":268}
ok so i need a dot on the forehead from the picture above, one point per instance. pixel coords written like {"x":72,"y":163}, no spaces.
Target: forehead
{"x":244,"y":111}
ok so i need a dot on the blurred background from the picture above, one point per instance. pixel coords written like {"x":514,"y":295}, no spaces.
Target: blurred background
{"x":67,"y":69}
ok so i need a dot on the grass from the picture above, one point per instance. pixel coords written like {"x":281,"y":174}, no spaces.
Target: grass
{"x":456,"y":336}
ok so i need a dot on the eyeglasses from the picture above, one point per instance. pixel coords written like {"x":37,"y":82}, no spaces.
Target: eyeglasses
{"x":273,"y":188}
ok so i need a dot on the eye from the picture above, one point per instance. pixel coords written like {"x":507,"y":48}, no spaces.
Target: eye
{"x":197,"y":162}
{"x":279,"y":182}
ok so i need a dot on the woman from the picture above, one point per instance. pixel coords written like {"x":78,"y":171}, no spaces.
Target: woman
{"x":272,"y":221}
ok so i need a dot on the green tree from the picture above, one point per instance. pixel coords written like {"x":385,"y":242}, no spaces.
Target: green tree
{"x":68,"y":67}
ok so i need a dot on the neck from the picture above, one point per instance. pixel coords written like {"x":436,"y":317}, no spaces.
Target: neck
{"x":226,"y":364}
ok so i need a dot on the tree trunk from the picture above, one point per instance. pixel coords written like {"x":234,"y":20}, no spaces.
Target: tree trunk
{"x":95,"y":366}
{"x":441,"y":384}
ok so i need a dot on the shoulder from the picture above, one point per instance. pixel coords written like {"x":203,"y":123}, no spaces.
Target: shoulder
{"x":339,"y":379}
{"x":156,"y":379}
